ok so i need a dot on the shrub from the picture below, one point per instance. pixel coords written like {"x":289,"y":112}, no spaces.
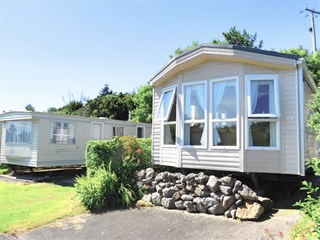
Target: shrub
{"x":110,"y":168}
{"x":101,"y":153}
{"x":99,"y":190}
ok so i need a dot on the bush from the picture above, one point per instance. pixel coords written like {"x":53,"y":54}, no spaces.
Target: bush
{"x":110,"y":168}
{"x":101,"y":153}
{"x":99,"y":190}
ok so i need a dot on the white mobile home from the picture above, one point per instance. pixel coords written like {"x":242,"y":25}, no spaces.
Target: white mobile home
{"x":37,"y":139}
{"x":231,"y":108}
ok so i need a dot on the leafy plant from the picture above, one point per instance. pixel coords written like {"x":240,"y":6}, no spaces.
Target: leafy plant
{"x":99,"y":190}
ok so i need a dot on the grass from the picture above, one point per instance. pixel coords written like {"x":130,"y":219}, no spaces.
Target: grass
{"x":26,"y":206}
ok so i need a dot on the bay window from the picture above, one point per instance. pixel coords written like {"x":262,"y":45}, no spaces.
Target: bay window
{"x":224,"y":112}
{"x":263,"y":111}
{"x":194,"y":114}
{"x":167,"y":113}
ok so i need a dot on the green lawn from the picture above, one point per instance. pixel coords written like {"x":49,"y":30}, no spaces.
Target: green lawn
{"x":25,"y":206}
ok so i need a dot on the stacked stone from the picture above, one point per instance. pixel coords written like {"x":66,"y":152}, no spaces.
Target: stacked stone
{"x":200,"y":193}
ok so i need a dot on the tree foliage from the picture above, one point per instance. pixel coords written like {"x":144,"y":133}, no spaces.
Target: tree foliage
{"x":233,"y":37}
{"x":143,"y":104}
{"x":312,"y":61}
{"x":30,"y":108}
{"x":105,"y":90}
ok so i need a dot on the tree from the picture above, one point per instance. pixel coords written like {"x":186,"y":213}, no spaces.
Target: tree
{"x":312,"y":61}
{"x":112,"y":106}
{"x":30,"y":108}
{"x":143,"y":102}
{"x":243,"y":38}
{"x":105,"y":90}
{"x":52,"y":110}
{"x":233,"y":37}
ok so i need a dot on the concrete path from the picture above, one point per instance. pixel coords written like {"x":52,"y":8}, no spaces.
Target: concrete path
{"x":160,"y":224}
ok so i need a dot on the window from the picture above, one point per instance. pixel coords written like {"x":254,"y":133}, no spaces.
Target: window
{"x":18,"y":132}
{"x":194,"y":112}
{"x":263,"y":111}
{"x":140,"y":132}
{"x":62,"y":133}
{"x":166,"y":103}
{"x":96,"y":131}
{"x":167,"y":113}
{"x":118,"y":131}
{"x":224,"y":109}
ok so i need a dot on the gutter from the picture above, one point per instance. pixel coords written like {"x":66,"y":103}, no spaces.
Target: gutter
{"x":301,"y":102}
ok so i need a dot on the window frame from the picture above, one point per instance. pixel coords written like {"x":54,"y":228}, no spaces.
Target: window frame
{"x":164,"y":121}
{"x":250,"y":117}
{"x":167,"y":89}
{"x":61,"y":134}
{"x":275,"y":79}
{"x":204,"y":121}
{"x":236,"y":119}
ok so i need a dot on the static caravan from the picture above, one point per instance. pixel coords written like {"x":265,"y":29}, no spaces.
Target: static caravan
{"x":35,"y":139}
{"x":231,"y":108}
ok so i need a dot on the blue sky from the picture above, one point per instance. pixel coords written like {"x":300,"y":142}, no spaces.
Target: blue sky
{"x":51,"y":48}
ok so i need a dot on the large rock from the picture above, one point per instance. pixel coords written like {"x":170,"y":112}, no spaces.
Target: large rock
{"x":150,"y":174}
{"x":199,"y":192}
{"x":161,"y":176}
{"x":228,"y":201}
{"x":141,"y":203}
{"x":176,"y":196}
{"x":168,"y":192}
{"x":266,"y":203}
{"x":168,"y":203}
{"x":186,"y":197}
{"x":147,"y":198}
{"x":140,"y":174}
{"x":213,"y":183}
{"x":227,"y":181}
{"x":191,"y":207}
{"x":156,"y":199}
{"x":209,"y":202}
{"x":201,"y":207}
{"x":190,"y":176}
{"x":216,"y":209}
{"x":201,"y":178}
{"x":180,"y":205}
{"x":250,"y":211}
{"x":236,"y":186}
{"x":226,"y":190}
{"x":247,"y":193}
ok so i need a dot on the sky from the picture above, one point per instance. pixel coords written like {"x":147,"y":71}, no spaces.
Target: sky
{"x":52,"y":50}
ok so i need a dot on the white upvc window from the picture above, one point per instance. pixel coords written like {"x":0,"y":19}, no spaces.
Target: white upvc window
{"x":263,"y":120}
{"x":62,"y":133}
{"x":167,"y":112}
{"x":194,"y":114}
{"x":224,"y":113}
{"x":166,"y":102}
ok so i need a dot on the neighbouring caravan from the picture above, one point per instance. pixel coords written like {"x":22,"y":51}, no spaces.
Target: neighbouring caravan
{"x":36,"y":139}
{"x":231,"y":108}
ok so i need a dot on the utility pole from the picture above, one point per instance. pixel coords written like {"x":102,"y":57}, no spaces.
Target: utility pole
{"x":312,"y":29}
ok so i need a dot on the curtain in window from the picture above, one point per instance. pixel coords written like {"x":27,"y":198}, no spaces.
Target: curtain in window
{"x":273,"y":135}
{"x":254,"y":94}
{"x":194,"y":102}
{"x":18,"y":132}
{"x":218,"y":92}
